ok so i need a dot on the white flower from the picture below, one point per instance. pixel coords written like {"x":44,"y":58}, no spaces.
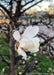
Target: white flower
{"x":27,"y":41}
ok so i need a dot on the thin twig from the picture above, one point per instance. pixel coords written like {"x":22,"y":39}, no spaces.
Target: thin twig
{"x":31,"y":64}
{"x":3,"y":60}
{"x":46,"y":41}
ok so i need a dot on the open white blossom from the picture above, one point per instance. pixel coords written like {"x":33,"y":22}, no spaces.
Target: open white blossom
{"x":27,"y":41}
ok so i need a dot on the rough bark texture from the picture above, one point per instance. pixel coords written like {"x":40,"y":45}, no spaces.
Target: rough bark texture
{"x":12,"y":57}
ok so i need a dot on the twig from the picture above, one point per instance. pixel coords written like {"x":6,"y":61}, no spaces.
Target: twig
{"x":46,"y":41}
{"x":6,"y":62}
{"x":5,"y":55}
{"x":32,"y":5}
{"x":31,"y":64}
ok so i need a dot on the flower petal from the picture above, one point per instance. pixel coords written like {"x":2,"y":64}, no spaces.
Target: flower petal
{"x":30,"y":31}
{"x":30,"y":44}
{"x":33,"y":50}
{"x":36,"y":45}
{"x":35,"y":30}
{"x":21,"y":52}
{"x":16,"y":35}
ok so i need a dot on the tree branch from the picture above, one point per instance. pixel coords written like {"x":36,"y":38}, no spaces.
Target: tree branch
{"x":46,"y":41}
{"x":3,"y":13}
{"x":5,"y":55}
{"x":28,"y":3}
{"x":31,"y":64}
{"x":18,"y":8}
{"x":6,"y":10}
{"x":32,"y":6}
{"x":6,"y":62}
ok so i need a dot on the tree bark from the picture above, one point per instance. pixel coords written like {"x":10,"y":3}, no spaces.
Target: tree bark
{"x":12,"y":57}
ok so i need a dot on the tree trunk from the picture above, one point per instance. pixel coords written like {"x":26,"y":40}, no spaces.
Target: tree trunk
{"x":12,"y":57}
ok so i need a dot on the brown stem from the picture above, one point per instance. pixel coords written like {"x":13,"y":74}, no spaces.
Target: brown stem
{"x":12,"y":57}
{"x":18,"y":12}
